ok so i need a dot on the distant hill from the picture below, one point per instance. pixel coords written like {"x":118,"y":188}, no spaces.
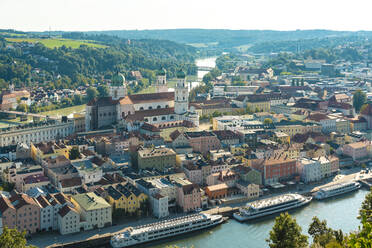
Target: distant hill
{"x":223,"y":38}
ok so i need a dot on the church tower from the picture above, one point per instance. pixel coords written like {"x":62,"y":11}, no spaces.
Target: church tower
{"x":117,"y":87}
{"x":181,"y":94}
{"x":161,"y":81}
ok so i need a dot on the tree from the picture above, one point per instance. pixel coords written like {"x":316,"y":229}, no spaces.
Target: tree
{"x":321,"y":234}
{"x":22,"y":107}
{"x":74,"y":153}
{"x":363,"y":238}
{"x":11,"y":238}
{"x":359,"y":99}
{"x":91,"y":93}
{"x":286,"y":233}
{"x":103,"y":90}
{"x":78,"y":99}
{"x":268,"y":121}
{"x":66,"y":102}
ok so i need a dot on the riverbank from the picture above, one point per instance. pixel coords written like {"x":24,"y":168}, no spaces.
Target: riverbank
{"x":48,"y":239}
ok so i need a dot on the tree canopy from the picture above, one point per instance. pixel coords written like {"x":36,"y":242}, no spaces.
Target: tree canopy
{"x":11,"y":238}
{"x":359,"y":99}
{"x":286,"y":233}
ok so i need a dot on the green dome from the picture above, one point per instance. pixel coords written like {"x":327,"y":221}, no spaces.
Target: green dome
{"x":181,"y":74}
{"x":118,"y":79}
{"x":161,"y":72}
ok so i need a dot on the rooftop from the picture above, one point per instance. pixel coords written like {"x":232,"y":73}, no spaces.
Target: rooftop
{"x":90,"y":201}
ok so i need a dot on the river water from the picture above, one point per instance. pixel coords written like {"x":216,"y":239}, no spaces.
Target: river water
{"x":340,"y":212}
{"x":208,"y":62}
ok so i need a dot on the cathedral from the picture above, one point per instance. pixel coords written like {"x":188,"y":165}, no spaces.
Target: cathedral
{"x":134,"y":110}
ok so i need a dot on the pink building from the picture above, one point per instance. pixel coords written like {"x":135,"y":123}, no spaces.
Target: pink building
{"x":335,"y":164}
{"x":8,"y":212}
{"x":20,"y":211}
{"x":17,"y":175}
{"x":203,"y":141}
{"x":357,"y":150}
{"x":189,"y":197}
{"x":193,"y":173}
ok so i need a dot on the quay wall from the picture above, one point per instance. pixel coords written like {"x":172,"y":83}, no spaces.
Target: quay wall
{"x":97,"y":241}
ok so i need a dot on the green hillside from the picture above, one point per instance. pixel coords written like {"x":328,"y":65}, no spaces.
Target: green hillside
{"x":55,"y":42}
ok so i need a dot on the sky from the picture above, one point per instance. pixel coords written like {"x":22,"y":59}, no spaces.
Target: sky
{"x":88,"y":15}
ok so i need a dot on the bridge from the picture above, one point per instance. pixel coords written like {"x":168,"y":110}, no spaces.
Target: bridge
{"x":205,"y":68}
{"x":34,"y":116}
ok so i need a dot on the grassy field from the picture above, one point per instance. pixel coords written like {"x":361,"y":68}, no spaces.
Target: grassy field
{"x":54,"y":42}
{"x":65,"y":111}
{"x":53,"y":113}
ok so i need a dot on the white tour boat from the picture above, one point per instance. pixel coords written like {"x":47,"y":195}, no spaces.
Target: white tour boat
{"x":164,"y":229}
{"x":336,"y":189}
{"x":271,"y":205}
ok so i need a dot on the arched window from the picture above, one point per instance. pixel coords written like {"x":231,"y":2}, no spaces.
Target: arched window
{"x":158,"y":107}
{"x":141,"y":108}
{"x":154,"y":119}
{"x":172,"y":117}
{"x":150,"y":107}
{"x":167,"y":106}
{"x":146,"y":120}
{"x":163,"y":118}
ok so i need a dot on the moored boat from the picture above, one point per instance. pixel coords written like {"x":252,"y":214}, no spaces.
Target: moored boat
{"x":164,"y":229}
{"x":336,"y":189}
{"x":270,"y":206}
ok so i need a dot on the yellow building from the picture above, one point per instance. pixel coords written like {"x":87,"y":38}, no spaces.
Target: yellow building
{"x":294,"y":127}
{"x":261,"y":106}
{"x":282,"y":137}
{"x":51,"y":149}
{"x":125,"y":197}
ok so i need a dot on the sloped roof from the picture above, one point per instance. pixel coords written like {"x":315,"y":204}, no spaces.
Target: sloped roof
{"x":152,"y":97}
{"x":367,"y":110}
{"x":90,"y":201}
{"x":65,"y":210}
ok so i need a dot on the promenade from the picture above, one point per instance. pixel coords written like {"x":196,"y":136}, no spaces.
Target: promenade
{"x":49,"y":238}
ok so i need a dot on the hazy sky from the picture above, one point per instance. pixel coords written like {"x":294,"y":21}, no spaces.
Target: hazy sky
{"x":74,"y":15}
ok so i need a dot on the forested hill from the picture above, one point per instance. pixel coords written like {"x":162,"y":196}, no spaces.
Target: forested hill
{"x":223,"y":38}
{"x":69,"y":61}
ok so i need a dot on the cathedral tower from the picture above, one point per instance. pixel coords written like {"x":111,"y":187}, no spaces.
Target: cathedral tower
{"x":161,"y":81}
{"x":181,"y":94}
{"x":117,"y":87}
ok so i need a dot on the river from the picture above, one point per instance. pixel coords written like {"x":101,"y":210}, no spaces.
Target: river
{"x":340,"y":212}
{"x":208,"y":62}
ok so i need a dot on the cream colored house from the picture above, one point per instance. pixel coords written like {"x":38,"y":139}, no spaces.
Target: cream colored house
{"x":68,"y":220}
{"x":94,"y":210}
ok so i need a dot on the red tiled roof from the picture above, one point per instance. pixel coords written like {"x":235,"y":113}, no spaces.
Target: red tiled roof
{"x":174,"y":135}
{"x":71,"y":182}
{"x":152,"y":97}
{"x":5,"y":204}
{"x":65,"y":210}
{"x":142,"y":114}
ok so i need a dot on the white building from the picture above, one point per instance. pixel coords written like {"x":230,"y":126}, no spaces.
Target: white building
{"x":36,"y":132}
{"x":88,"y":171}
{"x":159,"y":205}
{"x":68,"y":220}
{"x":46,"y":213}
{"x":309,"y":170}
{"x":325,"y":166}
